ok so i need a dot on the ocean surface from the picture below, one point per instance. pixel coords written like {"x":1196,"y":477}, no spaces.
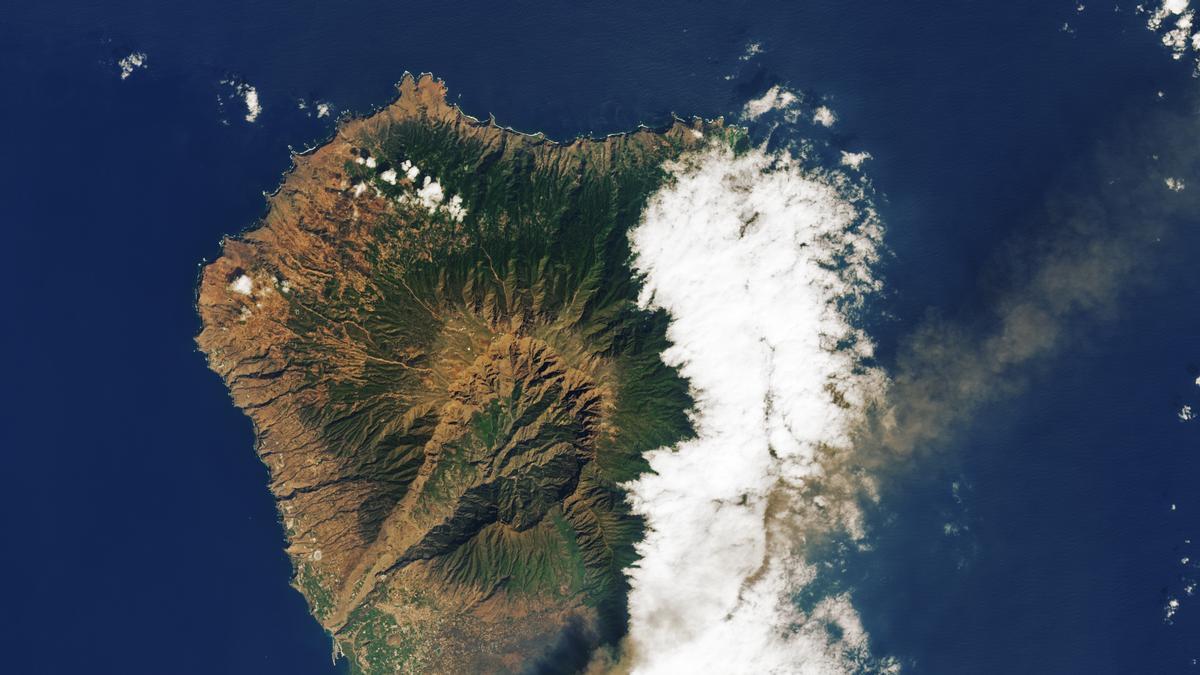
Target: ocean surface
{"x":1050,"y":534}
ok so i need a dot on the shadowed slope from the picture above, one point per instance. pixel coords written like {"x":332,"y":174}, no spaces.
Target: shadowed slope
{"x":435,"y":332}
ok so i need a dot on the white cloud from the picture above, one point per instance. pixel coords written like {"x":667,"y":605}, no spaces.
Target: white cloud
{"x":775,"y":98}
{"x":854,"y":160}
{"x":751,"y":256}
{"x":430,"y":194}
{"x":1179,"y":38}
{"x":410,"y":170}
{"x":1166,"y":9}
{"x":243,"y":285}
{"x":1175,"y":6}
{"x":388,"y":176}
{"x":1174,"y":184}
{"x":752,"y":50}
{"x":1186,"y":414}
{"x":455,"y":208}
{"x":322,"y":108}
{"x":1170,"y":610}
{"x":253,"y":107}
{"x":131,"y":63}
{"x":249,"y":96}
{"x":1174,"y":21}
{"x":824,"y":116}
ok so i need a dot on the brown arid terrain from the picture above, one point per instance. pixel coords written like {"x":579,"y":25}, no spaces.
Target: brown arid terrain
{"x":435,"y":334}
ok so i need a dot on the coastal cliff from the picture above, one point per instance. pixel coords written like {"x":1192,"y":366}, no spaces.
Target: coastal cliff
{"x":434,"y":330}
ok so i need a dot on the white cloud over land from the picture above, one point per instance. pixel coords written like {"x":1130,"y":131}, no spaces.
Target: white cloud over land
{"x":752,"y":256}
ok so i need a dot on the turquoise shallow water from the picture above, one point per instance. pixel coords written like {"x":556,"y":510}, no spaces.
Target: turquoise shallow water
{"x":140,"y":536}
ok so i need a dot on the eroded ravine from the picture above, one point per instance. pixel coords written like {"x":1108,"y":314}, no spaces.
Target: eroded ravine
{"x":435,"y":331}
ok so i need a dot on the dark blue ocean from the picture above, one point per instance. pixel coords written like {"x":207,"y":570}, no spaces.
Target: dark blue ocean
{"x":139,"y":537}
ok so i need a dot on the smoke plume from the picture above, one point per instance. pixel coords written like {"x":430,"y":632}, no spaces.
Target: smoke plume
{"x":763,"y":265}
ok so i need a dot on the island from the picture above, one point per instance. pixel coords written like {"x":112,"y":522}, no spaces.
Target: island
{"x":435,"y":331}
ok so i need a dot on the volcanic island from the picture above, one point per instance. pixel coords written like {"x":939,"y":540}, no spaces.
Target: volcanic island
{"x":434,"y":329}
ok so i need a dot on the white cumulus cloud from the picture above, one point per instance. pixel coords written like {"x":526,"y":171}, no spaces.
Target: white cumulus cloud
{"x":1174,"y":22}
{"x":824,"y":116}
{"x":243,"y":285}
{"x":752,"y":50}
{"x":249,"y":96}
{"x":854,"y":160}
{"x":430,"y":194}
{"x":410,"y":170}
{"x":775,"y":98}
{"x":751,"y":256}
{"x":131,"y":63}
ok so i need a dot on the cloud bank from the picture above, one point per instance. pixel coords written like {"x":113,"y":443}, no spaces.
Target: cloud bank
{"x":756,"y":259}
{"x":761,"y":262}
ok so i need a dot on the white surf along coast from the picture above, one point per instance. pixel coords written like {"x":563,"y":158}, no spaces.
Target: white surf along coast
{"x":757,"y":258}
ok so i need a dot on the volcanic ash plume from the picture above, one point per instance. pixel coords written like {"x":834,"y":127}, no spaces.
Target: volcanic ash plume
{"x":1101,"y":235}
{"x":761,"y":263}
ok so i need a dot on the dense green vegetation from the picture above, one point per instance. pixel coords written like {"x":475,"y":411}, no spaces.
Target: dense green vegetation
{"x":541,"y":253}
